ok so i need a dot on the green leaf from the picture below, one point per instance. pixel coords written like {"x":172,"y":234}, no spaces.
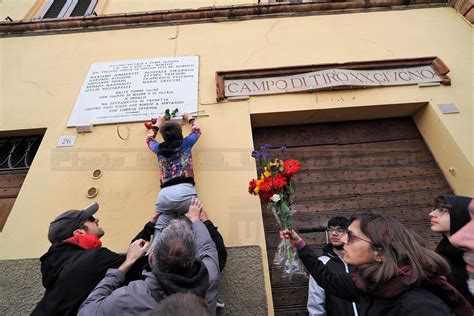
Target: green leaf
{"x":167,"y":116}
{"x":292,"y":186}
{"x":284,"y":207}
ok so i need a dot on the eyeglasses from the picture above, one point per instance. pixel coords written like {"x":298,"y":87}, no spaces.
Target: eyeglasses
{"x":351,"y":238}
{"x":338,"y":230}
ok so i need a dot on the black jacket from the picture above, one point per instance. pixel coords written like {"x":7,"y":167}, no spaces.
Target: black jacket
{"x":334,"y":305}
{"x":70,"y":273}
{"x":417,"y":301}
{"x":459,"y":216}
{"x":219,"y":241}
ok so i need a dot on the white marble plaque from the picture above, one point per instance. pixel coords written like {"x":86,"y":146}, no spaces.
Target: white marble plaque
{"x":136,"y":90}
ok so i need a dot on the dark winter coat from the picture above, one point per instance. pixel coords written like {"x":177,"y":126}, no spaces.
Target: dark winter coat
{"x":70,"y":273}
{"x":415,"y":301}
{"x":459,"y":216}
{"x":219,"y":241}
{"x":333,"y":305}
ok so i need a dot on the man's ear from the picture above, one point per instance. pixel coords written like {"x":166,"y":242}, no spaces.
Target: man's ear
{"x":150,"y":258}
{"x":470,"y":207}
{"x":79,"y":231}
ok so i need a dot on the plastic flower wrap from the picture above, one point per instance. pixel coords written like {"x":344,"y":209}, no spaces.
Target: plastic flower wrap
{"x":275,"y":186}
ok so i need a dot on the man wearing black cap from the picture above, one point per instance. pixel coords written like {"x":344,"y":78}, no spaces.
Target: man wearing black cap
{"x":76,"y":261}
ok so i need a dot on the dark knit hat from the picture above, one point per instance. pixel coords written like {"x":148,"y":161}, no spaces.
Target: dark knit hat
{"x":458,"y":211}
{"x":65,"y":224}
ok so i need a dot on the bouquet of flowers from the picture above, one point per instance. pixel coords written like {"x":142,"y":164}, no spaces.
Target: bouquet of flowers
{"x":275,"y":186}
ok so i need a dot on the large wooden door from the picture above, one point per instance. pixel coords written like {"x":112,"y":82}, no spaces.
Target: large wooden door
{"x":10,"y":185}
{"x":378,"y":165}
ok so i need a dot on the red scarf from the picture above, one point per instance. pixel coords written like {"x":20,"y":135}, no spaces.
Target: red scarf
{"x":86,"y":241}
{"x":437,"y":284}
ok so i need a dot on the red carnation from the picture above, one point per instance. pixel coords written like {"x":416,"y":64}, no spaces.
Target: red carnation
{"x":266,"y":185}
{"x":279,"y":181}
{"x":290,"y":167}
{"x":252,"y":186}
{"x":265,"y":196}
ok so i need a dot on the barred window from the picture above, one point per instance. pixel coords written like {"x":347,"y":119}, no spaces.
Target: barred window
{"x":17,"y":153}
{"x":65,"y":8}
{"x":16,"y":156}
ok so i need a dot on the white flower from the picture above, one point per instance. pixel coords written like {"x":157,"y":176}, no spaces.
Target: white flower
{"x":275,"y":198}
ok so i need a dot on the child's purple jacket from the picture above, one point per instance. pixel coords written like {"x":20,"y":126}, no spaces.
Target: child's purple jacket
{"x":180,"y":164}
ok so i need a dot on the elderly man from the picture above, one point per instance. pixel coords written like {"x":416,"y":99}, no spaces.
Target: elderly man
{"x":76,"y":261}
{"x":464,"y":239}
{"x":184,"y":260}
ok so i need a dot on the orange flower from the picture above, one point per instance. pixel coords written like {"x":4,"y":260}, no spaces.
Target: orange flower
{"x":291,"y":167}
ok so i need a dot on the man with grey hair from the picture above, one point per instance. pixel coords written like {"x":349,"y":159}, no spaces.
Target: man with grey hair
{"x":184,"y":260}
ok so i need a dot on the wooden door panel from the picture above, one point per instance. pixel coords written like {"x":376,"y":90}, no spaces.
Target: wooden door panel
{"x":10,"y":185}
{"x":6,"y":206}
{"x":382,"y":166}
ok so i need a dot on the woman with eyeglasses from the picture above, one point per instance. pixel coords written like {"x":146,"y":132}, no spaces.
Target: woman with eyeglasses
{"x":394,"y":274}
{"x":449,"y":214}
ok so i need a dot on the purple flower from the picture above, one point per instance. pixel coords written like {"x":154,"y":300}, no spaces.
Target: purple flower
{"x":283,"y":148}
{"x":266,"y":155}
{"x":267,"y":146}
{"x":254,"y":154}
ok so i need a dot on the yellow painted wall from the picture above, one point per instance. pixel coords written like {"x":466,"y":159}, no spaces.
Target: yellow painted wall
{"x":17,"y":9}
{"x":42,"y":76}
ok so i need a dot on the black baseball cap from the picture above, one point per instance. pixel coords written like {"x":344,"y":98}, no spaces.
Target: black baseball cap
{"x":65,"y":224}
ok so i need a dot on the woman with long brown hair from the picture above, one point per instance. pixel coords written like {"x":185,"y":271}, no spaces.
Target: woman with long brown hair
{"x":394,"y":274}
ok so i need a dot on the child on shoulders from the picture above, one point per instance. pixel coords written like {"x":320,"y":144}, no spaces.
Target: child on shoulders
{"x":175,"y":168}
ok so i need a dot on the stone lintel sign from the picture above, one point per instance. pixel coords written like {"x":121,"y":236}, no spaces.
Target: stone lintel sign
{"x":136,"y":90}
{"x":330,"y":78}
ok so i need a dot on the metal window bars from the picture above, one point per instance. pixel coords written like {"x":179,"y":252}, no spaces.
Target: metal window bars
{"x":17,"y":153}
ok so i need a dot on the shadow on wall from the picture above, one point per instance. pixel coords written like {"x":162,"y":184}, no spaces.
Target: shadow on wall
{"x":242,"y":285}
